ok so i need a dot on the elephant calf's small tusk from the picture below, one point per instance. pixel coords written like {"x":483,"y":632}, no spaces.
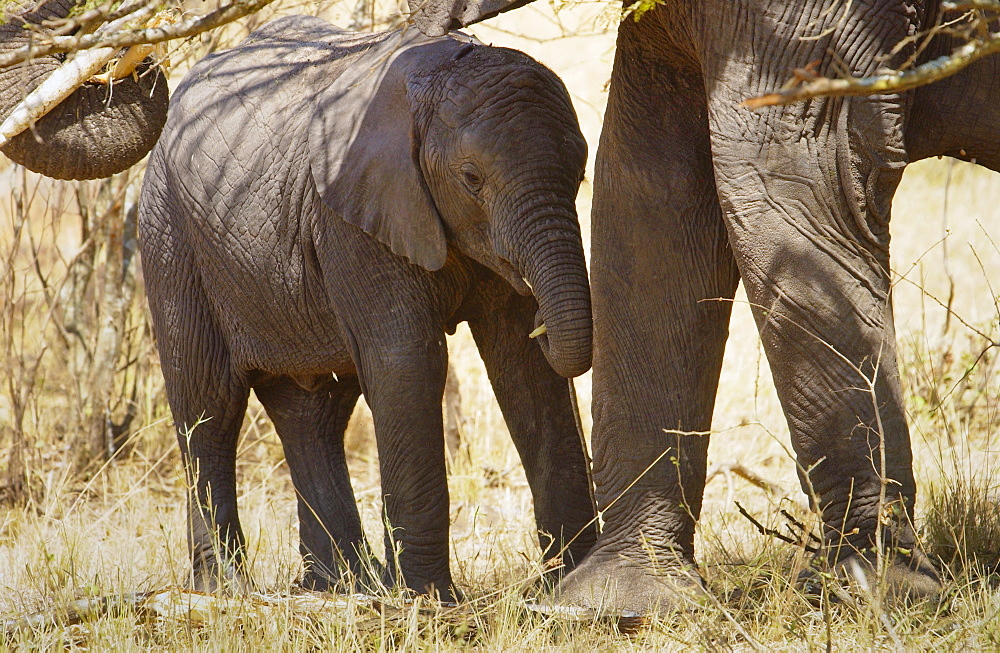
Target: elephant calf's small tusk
{"x":537,"y":332}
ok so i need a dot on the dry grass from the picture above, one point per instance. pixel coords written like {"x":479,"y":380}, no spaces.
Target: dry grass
{"x":117,"y":529}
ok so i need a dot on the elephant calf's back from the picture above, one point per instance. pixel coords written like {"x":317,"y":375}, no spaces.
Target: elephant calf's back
{"x":228,"y":213}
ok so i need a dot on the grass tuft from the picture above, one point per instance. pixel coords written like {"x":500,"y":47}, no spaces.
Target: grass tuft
{"x":962,"y":523}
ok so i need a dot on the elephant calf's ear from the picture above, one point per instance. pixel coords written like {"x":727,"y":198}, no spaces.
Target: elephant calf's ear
{"x":363,"y":154}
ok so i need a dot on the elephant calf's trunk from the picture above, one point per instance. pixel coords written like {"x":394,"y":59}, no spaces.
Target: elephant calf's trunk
{"x":559,"y":280}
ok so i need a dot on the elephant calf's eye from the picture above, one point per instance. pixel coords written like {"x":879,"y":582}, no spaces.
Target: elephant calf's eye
{"x":471,"y":178}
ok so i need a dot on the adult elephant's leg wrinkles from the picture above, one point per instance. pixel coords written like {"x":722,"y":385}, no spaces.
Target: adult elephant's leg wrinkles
{"x":662,"y":276}
{"x":806,"y":192}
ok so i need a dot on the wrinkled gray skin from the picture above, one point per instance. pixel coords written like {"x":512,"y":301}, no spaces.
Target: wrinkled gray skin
{"x":95,"y":132}
{"x":693,"y":193}
{"x":323,"y":207}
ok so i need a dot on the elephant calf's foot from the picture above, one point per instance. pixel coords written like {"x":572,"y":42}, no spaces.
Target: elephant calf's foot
{"x":365,"y":576}
{"x":442,"y":590}
{"x":346,"y":583}
{"x":218,"y":579}
{"x":611,"y":583}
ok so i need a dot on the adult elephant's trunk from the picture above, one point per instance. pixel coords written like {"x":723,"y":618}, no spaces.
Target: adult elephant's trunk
{"x":97,"y":131}
{"x":551,"y":260}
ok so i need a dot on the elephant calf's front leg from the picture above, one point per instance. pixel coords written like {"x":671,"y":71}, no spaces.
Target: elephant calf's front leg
{"x":538,"y":410}
{"x":404,"y":385}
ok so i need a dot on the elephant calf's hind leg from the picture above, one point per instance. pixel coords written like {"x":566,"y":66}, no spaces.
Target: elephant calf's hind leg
{"x":311,"y":426}
{"x":208,"y":436}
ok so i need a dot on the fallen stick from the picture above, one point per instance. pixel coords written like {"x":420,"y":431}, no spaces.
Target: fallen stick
{"x":198,"y":608}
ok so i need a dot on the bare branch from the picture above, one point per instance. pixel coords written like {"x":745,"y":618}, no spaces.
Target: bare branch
{"x":891,"y":82}
{"x":150,"y":35}
{"x":56,"y":88}
{"x":89,"y":20}
{"x":802,"y":527}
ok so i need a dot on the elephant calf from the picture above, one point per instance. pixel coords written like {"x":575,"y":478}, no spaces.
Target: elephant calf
{"x":323,"y":207}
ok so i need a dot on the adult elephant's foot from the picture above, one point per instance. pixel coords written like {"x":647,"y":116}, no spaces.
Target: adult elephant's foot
{"x":904,"y":574}
{"x":906,"y":577}
{"x":613,"y":583}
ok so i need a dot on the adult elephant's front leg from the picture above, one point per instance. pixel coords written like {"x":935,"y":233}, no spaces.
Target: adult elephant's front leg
{"x":661,"y":264}
{"x":806,"y":192}
{"x":403,"y":382}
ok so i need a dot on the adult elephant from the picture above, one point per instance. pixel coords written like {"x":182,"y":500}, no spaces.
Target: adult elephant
{"x":100,"y":129}
{"x":692,"y":193}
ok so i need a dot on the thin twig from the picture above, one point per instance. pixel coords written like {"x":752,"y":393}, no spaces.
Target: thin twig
{"x":890,"y":82}
{"x":802,"y":527}
{"x":149,"y":35}
{"x":727,"y":469}
{"x":773,"y":533}
{"x":980,"y":5}
{"x":89,"y":20}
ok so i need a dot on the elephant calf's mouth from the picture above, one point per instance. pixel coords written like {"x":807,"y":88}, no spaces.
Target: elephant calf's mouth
{"x":513,"y":276}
